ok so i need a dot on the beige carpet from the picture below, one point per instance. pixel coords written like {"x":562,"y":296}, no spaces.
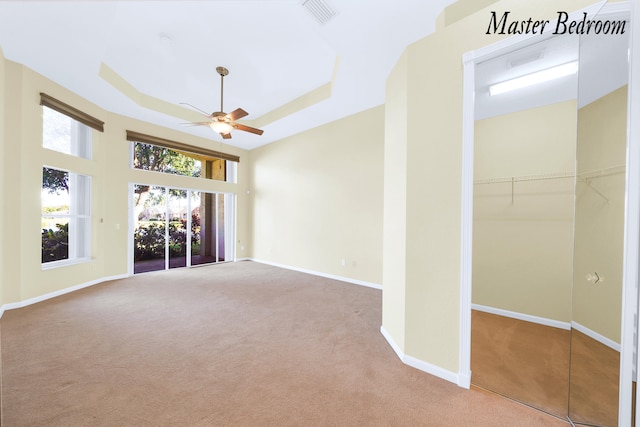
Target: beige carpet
{"x":237,"y":344}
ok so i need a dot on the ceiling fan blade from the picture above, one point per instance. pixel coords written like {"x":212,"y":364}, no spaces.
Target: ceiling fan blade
{"x":226,"y":135}
{"x":196,"y":108}
{"x":236,"y":114}
{"x":196,"y":123}
{"x":248,"y":129}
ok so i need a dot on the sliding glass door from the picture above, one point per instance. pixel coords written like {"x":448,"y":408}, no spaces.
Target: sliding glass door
{"x":178,"y":207}
{"x":175,"y":228}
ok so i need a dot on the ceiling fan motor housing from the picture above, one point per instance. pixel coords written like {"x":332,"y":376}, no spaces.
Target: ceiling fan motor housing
{"x":222,"y":122}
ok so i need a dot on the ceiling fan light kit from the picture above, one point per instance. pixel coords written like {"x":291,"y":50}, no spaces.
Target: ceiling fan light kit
{"x":222,"y":122}
{"x":221,"y":127}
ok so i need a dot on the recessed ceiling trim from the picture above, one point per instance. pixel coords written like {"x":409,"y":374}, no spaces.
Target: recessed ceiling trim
{"x":313,"y":97}
{"x":144,"y":100}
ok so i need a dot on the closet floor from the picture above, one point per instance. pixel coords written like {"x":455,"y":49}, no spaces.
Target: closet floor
{"x":530,"y":363}
{"x":524,"y":361}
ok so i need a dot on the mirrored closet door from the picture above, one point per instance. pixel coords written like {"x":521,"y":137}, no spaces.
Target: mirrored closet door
{"x":596,"y":309}
{"x":548,"y":224}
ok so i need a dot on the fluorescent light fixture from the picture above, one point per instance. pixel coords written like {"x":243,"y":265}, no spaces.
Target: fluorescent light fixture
{"x":534,"y":78}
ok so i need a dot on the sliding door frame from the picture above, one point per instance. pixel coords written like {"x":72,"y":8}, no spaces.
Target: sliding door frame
{"x":229,"y":225}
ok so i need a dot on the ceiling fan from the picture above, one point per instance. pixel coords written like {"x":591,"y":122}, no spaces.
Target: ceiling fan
{"x":220,"y":121}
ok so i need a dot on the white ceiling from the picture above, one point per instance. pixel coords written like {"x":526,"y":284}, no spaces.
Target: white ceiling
{"x":165,"y":53}
{"x":144,"y":58}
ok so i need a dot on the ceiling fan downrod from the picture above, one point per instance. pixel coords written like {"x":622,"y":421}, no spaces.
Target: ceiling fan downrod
{"x":223,"y":72}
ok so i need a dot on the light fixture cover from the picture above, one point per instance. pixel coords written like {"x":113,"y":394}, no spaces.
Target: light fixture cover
{"x":221,"y":127}
{"x":534,"y":78}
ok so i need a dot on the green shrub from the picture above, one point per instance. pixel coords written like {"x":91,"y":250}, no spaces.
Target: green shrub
{"x":149,"y":242}
{"x":149,"y":239}
{"x":55,"y":244}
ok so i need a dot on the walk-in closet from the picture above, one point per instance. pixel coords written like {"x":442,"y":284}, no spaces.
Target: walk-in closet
{"x":548,"y":224}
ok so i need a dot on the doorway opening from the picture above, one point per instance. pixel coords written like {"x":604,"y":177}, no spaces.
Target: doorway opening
{"x":610,"y":170}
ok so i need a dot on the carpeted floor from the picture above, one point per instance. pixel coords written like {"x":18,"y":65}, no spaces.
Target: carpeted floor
{"x":237,"y":344}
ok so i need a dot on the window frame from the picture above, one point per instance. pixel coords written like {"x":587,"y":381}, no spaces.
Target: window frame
{"x":198,"y":159}
{"x":79,"y":211}
{"x":80,"y":232}
{"x":68,"y":110}
{"x":80,"y":143}
{"x":205,"y":156}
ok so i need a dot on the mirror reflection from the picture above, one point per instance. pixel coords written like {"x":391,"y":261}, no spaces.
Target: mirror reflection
{"x":549,"y":224}
{"x":599,"y":227}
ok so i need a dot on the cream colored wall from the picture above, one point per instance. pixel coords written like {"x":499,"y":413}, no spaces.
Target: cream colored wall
{"x":599,"y":234}
{"x":395,"y":203}
{"x":12,"y":243}
{"x":317,"y":198}
{"x":433,"y":174}
{"x":3,"y":166}
{"x":523,"y":239}
{"x":110,"y":172}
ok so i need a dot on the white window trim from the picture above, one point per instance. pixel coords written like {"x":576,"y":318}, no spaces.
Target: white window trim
{"x":83,"y":194}
{"x":65,"y":262}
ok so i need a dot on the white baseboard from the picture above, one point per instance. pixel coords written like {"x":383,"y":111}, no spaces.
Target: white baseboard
{"x":317,"y":273}
{"x":521,"y":316}
{"x":392,"y":343}
{"x":549,"y":322}
{"x":24,"y":303}
{"x":462,"y":381}
{"x":596,"y":336}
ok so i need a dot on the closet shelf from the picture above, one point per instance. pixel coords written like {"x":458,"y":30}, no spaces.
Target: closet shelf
{"x":614,"y":170}
{"x":560,"y":175}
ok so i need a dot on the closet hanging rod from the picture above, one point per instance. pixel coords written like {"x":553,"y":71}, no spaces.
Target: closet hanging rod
{"x":614,"y":170}
{"x":598,"y":173}
{"x":560,"y":175}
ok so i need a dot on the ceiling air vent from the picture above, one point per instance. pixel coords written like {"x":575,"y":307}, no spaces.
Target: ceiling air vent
{"x":320,"y":10}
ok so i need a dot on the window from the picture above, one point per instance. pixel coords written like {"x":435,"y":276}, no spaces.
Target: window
{"x":66,"y":216}
{"x":163,"y":155}
{"x":160,"y":159}
{"x":67,"y":129}
{"x":65,"y":195}
{"x":62,"y":133}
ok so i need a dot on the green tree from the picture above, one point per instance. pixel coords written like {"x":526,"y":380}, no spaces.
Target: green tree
{"x":160,"y":159}
{"x":55,"y":180}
